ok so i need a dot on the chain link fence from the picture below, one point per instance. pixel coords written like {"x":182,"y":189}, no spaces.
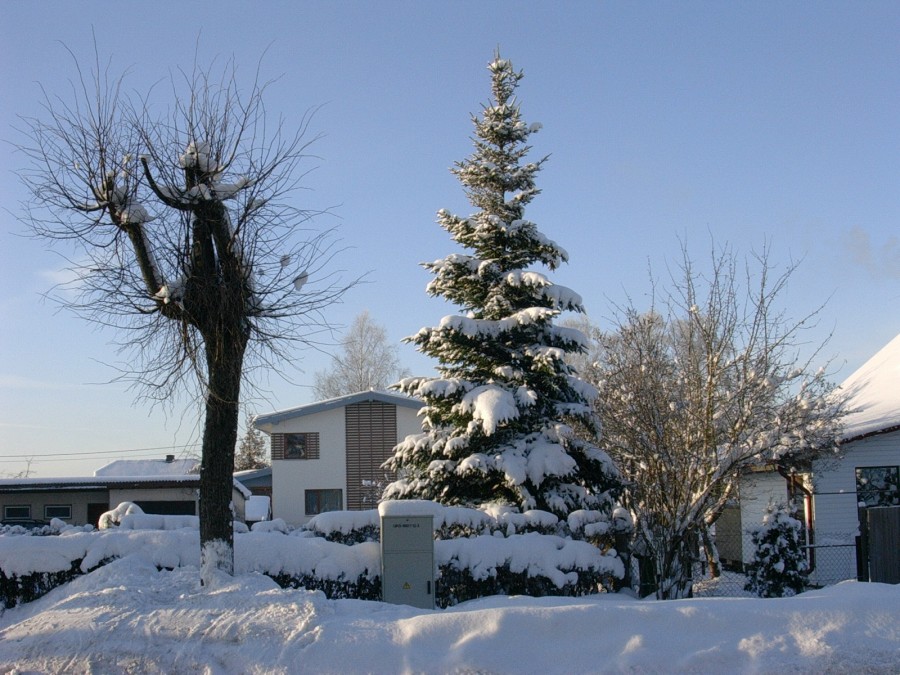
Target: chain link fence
{"x":828,"y":564}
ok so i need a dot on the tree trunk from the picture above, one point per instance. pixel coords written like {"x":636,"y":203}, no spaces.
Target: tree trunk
{"x":225,"y":362}
{"x":674,"y":568}
{"x":711,"y":551}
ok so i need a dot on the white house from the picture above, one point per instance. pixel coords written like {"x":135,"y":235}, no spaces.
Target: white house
{"x":327,"y":456}
{"x":834,"y":495}
{"x":162,"y":486}
{"x":867,"y":473}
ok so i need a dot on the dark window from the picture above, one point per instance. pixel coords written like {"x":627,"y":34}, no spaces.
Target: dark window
{"x":297,"y":446}
{"x":17,"y":512}
{"x":877,"y":486}
{"x":319,"y":501}
{"x":62,"y":511}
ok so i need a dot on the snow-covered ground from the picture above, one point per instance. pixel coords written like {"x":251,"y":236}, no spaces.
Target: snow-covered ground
{"x":128,"y":617}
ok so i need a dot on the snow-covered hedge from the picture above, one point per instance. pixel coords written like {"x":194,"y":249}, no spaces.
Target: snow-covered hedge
{"x":477,"y":553}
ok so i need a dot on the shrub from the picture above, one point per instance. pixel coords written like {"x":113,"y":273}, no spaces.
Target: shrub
{"x":779,"y":567}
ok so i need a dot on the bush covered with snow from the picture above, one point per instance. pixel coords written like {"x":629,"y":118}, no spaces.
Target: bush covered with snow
{"x":495,"y":551}
{"x":779,"y":566}
{"x":16,"y":589}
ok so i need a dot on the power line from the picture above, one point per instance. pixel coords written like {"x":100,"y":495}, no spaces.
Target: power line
{"x":92,"y":453}
{"x":50,"y":460}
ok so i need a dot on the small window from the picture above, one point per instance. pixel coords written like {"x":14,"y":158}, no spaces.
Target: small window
{"x":319,"y":501}
{"x":17,"y":512}
{"x":877,"y":486}
{"x":61,"y":511}
{"x":295,"y":446}
{"x":301,"y":446}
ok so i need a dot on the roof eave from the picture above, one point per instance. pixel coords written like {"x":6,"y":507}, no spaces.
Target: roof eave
{"x":279,"y":416}
{"x":869,"y":434}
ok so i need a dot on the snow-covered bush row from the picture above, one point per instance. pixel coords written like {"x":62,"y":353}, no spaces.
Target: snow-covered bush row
{"x":55,"y":526}
{"x":494,"y":558}
{"x":18,"y":589}
{"x":130,"y":516}
{"x":452,"y":522}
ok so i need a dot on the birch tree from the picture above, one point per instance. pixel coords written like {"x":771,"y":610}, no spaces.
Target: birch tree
{"x":366,"y":361}
{"x":183,"y":218}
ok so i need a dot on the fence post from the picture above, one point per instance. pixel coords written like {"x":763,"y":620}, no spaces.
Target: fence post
{"x":862,"y":547}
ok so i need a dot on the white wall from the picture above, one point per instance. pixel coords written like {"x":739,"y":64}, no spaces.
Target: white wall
{"x":757,"y":491}
{"x":408,"y":422}
{"x":173,"y":494}
{"x":291,"y":477}
{"x":836,"y":516}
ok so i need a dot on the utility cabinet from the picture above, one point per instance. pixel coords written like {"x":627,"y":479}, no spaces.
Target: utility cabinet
{"x":407,"y":559}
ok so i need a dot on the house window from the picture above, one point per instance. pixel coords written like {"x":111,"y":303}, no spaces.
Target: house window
{"x":61,"y":511}
{"x":17,"y":512}
{"x":319,"y":501}
{"x":877,"y":486}
{"x":295,"y":446}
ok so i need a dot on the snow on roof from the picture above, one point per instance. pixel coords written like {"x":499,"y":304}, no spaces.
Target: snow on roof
{"x":148,"y":467}
{"x":408,"y":507}
{"x":874,"y":394}
{"x":279,"y":416}
{"x":100,"y":482}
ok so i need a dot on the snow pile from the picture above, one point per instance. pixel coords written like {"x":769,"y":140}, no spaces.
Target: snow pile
{"x":129,"y":617}
{"x":153,"y":521}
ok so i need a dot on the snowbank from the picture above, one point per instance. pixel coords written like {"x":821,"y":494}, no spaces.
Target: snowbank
{"x":129,"y":617}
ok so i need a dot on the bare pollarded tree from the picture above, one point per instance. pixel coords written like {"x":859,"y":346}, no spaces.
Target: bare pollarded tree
{"x":188,"y":241}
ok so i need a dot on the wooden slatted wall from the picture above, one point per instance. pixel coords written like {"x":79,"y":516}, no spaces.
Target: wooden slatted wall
{"x":371,"y":428}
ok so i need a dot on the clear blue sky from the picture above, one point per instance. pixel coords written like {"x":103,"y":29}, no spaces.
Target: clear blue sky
{"x":747,"y":121}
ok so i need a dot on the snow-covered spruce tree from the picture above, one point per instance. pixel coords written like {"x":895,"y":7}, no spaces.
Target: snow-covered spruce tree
{"x":779,"y":567}
{"x":498,"y":419}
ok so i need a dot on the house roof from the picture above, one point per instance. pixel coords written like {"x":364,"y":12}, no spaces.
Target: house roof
{"x":278,"y":416}
{"x":254,"y":478}
{"x":873,"y":393}
{"x":251,"y":474}
{"x":104,"y":483}
{"x":149,"y":467}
